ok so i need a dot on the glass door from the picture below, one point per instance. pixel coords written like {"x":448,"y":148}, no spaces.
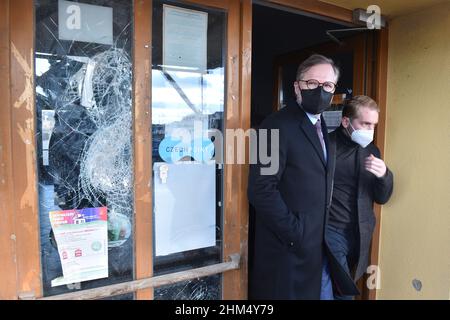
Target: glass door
{"x":189,"y":65}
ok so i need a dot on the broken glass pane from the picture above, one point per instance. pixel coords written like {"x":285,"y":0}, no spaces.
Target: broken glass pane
{"x":207,"y":288}
{"x":84,"y":128}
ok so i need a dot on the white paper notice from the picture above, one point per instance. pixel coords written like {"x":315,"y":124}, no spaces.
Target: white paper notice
{"x":184,"y":39}
{"x":82,"y":239}
{"x":185,"y":206}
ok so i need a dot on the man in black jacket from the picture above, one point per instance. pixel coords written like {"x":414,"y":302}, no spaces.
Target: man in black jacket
{"x":290,"y":259}
{"x":361,"y":178}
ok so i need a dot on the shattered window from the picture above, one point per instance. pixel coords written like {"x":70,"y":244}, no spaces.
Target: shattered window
{"x":207,"y":288}
{"x":83,"y":78}
{"x":188,"y":99}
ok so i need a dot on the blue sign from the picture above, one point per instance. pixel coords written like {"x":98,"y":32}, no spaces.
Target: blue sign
{"x":173,"y":150}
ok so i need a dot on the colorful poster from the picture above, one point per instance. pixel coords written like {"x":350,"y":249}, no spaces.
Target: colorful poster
{"x":82,"y":239}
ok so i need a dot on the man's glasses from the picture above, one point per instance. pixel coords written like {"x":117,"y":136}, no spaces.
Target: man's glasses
{"x":327,"y":85}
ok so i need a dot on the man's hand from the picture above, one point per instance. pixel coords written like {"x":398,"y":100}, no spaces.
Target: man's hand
{"x":375,"y":165}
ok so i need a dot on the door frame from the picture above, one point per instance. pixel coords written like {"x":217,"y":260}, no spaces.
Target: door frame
{"x":376,"y":86}
{"x":19,"y":232}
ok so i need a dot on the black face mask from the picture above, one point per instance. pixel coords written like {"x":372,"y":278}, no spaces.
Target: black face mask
{"x":315,"y":101}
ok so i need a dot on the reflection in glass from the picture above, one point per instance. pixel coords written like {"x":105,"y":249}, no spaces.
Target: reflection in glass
{"x":202,"y":94}
{"x":187,"y":111}
{"x":84,"y":132}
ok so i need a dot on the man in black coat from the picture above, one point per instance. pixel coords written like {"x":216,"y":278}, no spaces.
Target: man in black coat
{"x":361,"y":178}
{"x":290,"y":258}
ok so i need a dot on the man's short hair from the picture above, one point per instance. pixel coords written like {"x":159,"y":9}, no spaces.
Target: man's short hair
{"x":351,"y":108}
{"x":314,"y":60}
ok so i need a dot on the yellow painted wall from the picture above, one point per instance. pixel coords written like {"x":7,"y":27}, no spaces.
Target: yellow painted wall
{"x":415,"y":227}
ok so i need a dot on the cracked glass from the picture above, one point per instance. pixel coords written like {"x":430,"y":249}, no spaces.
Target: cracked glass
{"x":83,"y":85}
